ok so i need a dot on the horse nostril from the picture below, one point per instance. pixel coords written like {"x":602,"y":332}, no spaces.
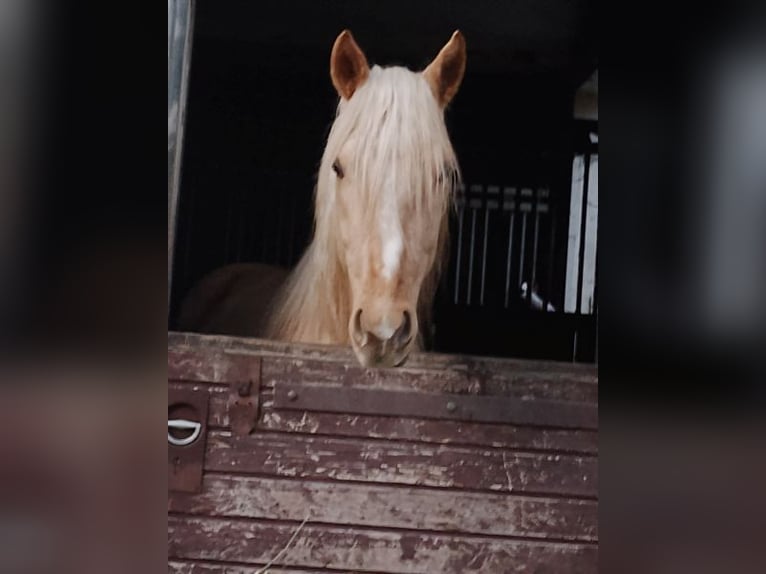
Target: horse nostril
{"x":402,"y":335}
{"x":359,"y":333}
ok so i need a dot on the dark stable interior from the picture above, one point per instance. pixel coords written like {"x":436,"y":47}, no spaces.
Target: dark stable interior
{"x":260,"y":104}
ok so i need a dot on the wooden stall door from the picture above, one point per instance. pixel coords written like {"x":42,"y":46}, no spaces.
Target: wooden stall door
{"x":450,"y":465}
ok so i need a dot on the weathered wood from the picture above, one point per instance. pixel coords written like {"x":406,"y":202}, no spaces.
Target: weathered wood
{"x":256,"y":542}
{"x":521,"y":385}
{"x":218,"y":366}
{"x":210,"y":365}
{"x":386,"y":494}
{"x":432,"y":431}
{"x":199,"y":567}
{"x":392,"y":507}
{"x":404,"y":428}
{"x":402,"y":463}
{"x":488,"y":409}
{"x":553,"y":370}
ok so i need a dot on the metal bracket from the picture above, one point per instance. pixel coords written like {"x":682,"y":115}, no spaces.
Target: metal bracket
{"x":243,"y":401}
{"x":476,"y":408}
{"x":187,"y":434}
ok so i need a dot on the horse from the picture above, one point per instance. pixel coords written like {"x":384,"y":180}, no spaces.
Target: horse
{"x":384,"y":191}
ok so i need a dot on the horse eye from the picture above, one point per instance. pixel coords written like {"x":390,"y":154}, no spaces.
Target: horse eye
{"x":337,"y":169}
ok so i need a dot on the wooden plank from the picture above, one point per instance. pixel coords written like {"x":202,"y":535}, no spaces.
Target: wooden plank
{"x":429,"y":431}
{"x":209,"y":567}
{"x":478,"y":506}
{"x":198,"y":567}
{"x":436,"y":361}
{"x":221,"y":365}
{"x":256,"y":542}
{"x":520,"y":385}
{"x":210,"y":365}
{"x":488,"y":409}
{"x":407,"y":429}
{"x":392,"y":507}
{"x":206,"y":364}
{"x":403,"y":463}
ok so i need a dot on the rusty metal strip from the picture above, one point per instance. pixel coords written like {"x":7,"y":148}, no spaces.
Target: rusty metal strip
{"x":242,"y":373}
{"x":487,"y":409}
{"x":185,"y":463}
{"x":243,"y":401}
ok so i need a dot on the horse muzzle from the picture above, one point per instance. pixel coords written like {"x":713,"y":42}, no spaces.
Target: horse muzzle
{"x":382,"y":343}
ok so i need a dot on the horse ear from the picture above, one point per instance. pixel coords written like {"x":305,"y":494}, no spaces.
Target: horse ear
{"x":348,"y":65}
{"x":446,"y":71}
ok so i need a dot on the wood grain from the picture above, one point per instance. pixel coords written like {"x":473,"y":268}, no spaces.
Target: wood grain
{"x":404,"y":428}
{"x":256,"y":542}
{"x":402,"y":463}
{"x":388,"y":507}
{"x":553,"y":370}
{"x":210,"y":567}
{"x":218,"y":366}
{"x":388,"y":489}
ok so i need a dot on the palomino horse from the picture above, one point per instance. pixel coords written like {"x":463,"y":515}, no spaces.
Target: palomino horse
{"x":383,"y":194}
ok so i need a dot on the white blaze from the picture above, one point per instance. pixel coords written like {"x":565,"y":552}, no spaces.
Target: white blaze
{"x":392,"y":249}
{"x":391,"y":238}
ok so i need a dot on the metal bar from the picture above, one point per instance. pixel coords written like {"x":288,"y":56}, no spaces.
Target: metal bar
{"x":487,"y":409}
{"x":508,"y":258}
{"x":536,"y":207}
{"x":583,"y":223}
{"x":470,"y":254}
{"x":523,"y":245}
{"x":572,"y":234}
{"x":461,"y":214}
{"x":179,"y":61}
{"x":171,"y":27}
{"x":594,"y":311}
{"x":574,"y":347}
{"x":591,"y":238}
{"x":551,"y":256}
{"x":484,"y":251}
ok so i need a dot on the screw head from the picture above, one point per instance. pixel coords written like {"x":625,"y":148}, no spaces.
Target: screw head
{"x":292,"y":395}
{"x":451,"y":407}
